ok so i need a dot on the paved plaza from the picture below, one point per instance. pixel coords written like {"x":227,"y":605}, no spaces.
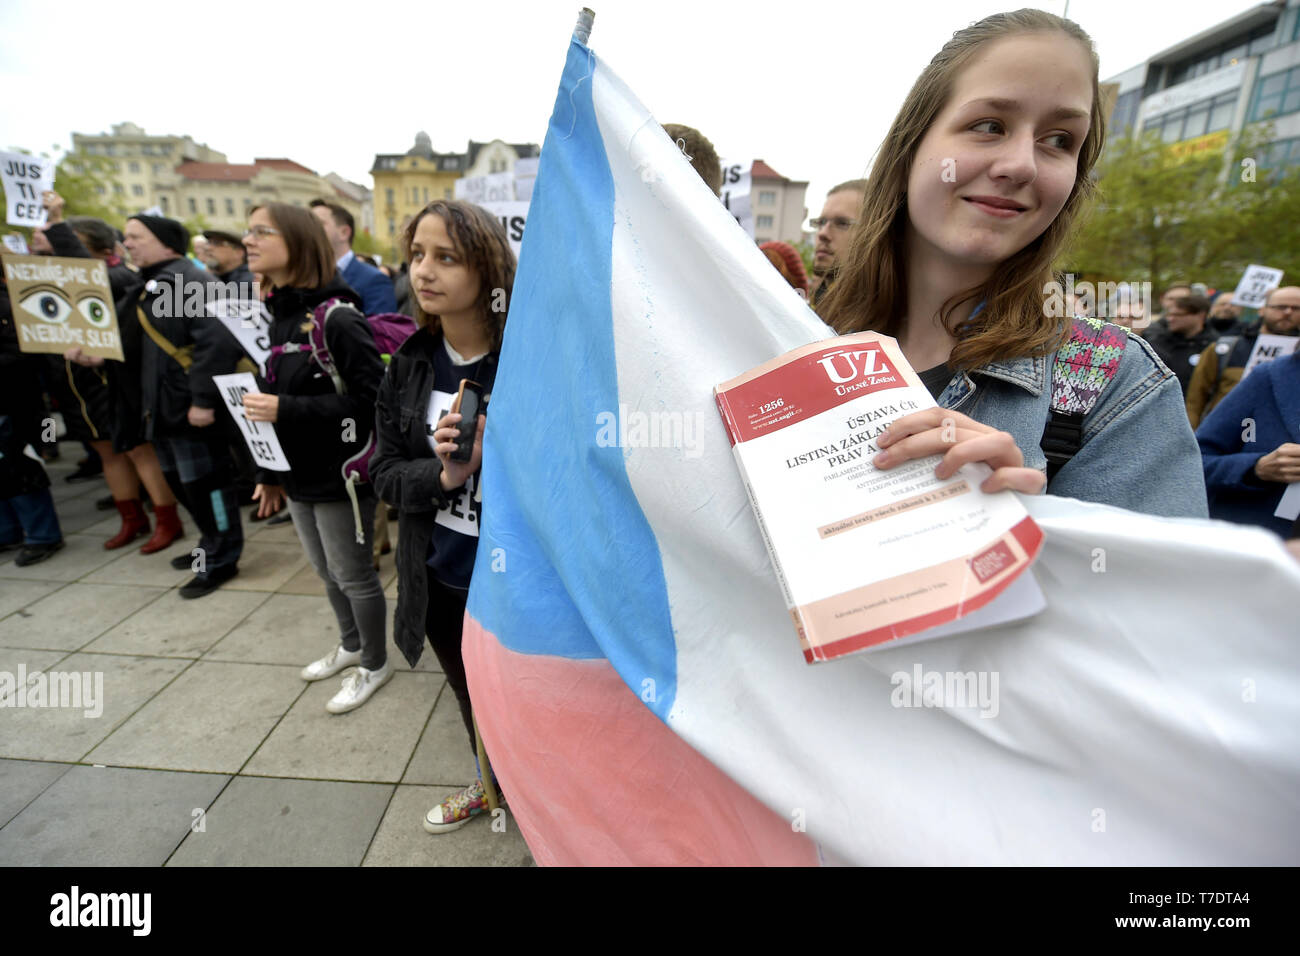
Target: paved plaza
{"x":210,"y":749}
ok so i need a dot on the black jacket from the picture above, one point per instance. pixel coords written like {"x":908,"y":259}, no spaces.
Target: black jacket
{"x":406,"y":474}
{"x":167,"y":391}
{"x":319,"y":428}
{"x":240,"y":273}
{"x":1179,"y":352}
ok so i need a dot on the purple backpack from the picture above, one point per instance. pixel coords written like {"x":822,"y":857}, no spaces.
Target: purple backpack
{"x":390,"y":330}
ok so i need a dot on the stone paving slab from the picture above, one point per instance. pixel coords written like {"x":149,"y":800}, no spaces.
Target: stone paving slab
{"x":129,"y":566}
{"x":66,"y":733}
{"x":174,"y":627}
{"x":373,"y":742}
{"x":265,"y":567}
{"x":22,"y":781}
{"x":284,"y":629}
{"x":443,"y":756}
{"x":79,"y":513}
{"x":211,"y":719}
{"x":63,"y":491}
{"x":263,"y":533}
{"x":108,"y":816}
{"x":484,"y":841}
{"x":80,"y":555}
{"x":75,"y":615}
{"x":14,"y":597}
{"x":276,"y":822}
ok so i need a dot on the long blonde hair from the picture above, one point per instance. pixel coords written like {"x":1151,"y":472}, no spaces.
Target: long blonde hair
{"x":870,"y":290}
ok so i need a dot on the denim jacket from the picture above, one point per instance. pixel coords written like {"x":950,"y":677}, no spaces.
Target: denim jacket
{"x":1138,"y":451}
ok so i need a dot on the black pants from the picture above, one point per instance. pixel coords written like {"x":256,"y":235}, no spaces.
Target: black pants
{"x":199,"y":472}
{"x":444,"y":619}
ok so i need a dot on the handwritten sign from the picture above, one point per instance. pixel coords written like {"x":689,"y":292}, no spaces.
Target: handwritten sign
{"x":1255,"y":285}
{"x":25,"y":178}
{"x":481,"y":190}
{"x":249,"y":322}
{"x":1269,"y":347}
{"x":525,"y":176}
{"x":59,"y":303}
{"x":260,"y":437}
{"x":736,"y":186}
{"x":16,"y":244}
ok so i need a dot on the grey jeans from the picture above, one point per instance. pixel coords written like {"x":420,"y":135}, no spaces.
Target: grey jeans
{"x":328,"y":534}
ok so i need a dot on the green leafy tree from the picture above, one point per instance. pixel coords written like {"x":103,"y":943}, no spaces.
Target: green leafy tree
{"x":1164,"y":215}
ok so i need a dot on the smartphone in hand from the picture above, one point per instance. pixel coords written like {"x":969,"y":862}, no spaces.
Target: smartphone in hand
{"x":469,"y":402}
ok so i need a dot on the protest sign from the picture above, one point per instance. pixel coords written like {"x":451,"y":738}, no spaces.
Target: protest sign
{"x":59,"y":303}
{"x":513,"y":215}
{"x":736,"y":186}
{"x":260,"y":437}
{"x":525,"y":175}
{"x":1269,"y":347}
{"x":1288,"y":505}
{"x":25,"y":178}
{"x":15,"y":243}
{"x":249,"y":322}
{"x":1255,"y":285}
{"x":481,"y":190}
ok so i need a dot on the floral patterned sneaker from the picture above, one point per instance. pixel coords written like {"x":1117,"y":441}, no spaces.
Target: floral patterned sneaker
{"x":457,"y":809}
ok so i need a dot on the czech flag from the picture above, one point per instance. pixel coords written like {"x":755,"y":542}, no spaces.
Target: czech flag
{"x":635,"y":675}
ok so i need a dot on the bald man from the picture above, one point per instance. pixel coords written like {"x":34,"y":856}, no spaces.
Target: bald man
{"x":1222,"y":364}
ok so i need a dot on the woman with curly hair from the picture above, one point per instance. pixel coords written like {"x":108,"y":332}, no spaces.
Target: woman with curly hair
{"x":462,"y":270}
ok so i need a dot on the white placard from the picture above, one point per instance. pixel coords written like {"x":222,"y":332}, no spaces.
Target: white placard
{"x":525,"y":176}
{"x":1289,"y":506}
{"x":25,"y":178}
{"x":1255,"y":285}
{"x":513,"y":216}
{"x":1269,"y":347}
{"x":260,"y":437}
{"x":16,"y":244}
{"x":249,"y":322}
{"x":153,"y":211}
{"x":736,"y":186}
{"x":481,"y":190}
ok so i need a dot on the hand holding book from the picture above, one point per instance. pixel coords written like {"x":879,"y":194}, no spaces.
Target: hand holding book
{"x":961,"y":440}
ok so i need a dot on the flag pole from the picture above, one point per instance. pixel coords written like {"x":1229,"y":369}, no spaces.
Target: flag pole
{"x":582,"y":30}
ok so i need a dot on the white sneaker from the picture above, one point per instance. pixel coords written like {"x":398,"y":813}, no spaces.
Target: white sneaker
{"x":357,"y":688}
{"x":333,"y":662}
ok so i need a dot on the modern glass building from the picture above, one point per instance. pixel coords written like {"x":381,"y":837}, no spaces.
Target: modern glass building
{"x":1203,"y":90}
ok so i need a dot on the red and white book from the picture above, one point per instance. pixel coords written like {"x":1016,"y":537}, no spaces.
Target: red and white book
{"x":869,"y":557}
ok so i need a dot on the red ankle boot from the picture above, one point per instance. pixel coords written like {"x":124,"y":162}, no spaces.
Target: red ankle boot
{"x":134,"y":524}
{"x":166,"y":530}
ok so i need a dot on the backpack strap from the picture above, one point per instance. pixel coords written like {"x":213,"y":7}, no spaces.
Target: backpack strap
{"x":320,"y":350}
{"x":1081,"y":370}
{"x":1223,"y":351}
{"x":184,"y":357}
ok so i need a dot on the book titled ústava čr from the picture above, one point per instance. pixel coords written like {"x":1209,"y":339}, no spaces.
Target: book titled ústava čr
{"x":868,"y":557}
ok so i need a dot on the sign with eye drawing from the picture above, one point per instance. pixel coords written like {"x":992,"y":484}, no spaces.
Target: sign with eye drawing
{"x":58,"y":303}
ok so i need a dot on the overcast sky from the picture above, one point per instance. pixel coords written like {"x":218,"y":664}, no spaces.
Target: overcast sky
{"x":808,"y":86}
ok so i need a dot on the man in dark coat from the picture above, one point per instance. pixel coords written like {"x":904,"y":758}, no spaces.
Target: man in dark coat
{"x":182,"y":348}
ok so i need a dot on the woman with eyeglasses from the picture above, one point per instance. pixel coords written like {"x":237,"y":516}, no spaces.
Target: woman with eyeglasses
{"x":973,"y":194}
{"x":320,"y":425}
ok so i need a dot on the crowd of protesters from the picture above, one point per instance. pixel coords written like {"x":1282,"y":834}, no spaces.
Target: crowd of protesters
{"x":368,"y":426}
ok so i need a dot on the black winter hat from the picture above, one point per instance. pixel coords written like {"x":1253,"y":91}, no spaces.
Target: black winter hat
{"x":169,"y":232}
